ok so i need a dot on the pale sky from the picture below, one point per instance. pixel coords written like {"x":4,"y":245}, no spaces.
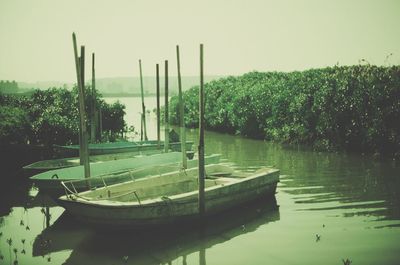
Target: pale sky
{"x":238,"y":36}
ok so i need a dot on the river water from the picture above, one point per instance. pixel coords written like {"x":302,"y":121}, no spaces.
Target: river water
{"x":329,"y":207}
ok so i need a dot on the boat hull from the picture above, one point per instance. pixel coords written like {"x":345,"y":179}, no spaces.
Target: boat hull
{"x":121,"y":147}
{"x":172,"y":211}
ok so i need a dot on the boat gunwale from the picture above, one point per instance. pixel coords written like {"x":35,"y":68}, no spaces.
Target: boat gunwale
{"x":176,"y":198}
{"x":121,"y":145}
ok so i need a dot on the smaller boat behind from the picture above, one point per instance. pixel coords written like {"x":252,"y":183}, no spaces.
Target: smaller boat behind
{"x":51,"y":164}
{"x":50,"y":181}
{"x":120,"y":147}
{"x":168,"y":198}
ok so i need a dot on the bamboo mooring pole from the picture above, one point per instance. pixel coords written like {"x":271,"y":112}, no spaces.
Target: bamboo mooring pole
{"x":80,"y":83}
{"x":47,"y":216}
{"x":166,"y":122}
{"x":100,"y":117}
{"x":143,"y":106}
{"x":202,"y":256}
{"x":93,"y":125}
{"x":158,"y":104}
{"x":85,"y":135}
{"x":141,"y":127}
{"x":201,"y":138}
{"x":80,"y":138}
{"x":181,"y":112}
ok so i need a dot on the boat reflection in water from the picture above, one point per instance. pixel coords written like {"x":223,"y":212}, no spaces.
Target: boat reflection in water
{"x":155,"y":245}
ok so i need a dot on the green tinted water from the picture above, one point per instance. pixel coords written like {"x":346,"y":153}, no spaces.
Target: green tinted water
{"x":351,"y":202}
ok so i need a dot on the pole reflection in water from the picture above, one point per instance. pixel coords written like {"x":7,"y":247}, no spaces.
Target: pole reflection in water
{"x":202,"y":256}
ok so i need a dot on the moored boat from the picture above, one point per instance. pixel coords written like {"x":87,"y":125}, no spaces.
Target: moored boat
{"x":51,"y":164}
{"x":120,"y":147}
{"x":50,"y":181}
{"x":168,"y":198}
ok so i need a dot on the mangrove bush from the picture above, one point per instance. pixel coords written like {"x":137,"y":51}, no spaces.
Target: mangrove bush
{"x":51,"y":116}
{"x":335,"y":108}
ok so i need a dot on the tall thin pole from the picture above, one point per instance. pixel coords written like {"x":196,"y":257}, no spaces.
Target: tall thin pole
{"x":47,"y":216}
{"x":201,"y":138}
{"x":80,"y":82}
{"x":81,"y":159}
{"x":85,"y":134}
{"x":158,"y":104}
{"x":202,"y":256}
{"x":93,"y":125}
{"x":100,"y":123}
{"x":181,"y":112}
{"x":141,"y":127}
{"x":143,"y":106}
{"x":166,"y":126}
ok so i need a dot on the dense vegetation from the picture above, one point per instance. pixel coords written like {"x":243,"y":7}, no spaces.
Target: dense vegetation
{"x":336,"y":108}
{"x":51,"y":117}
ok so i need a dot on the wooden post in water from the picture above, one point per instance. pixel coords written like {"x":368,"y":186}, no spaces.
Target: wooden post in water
{"x":85,"y":135}
{"x":166,"y":122}
{"x":47,"y":216}
{"x":80,"y":138}
{"x":93,"y":125}
{"x":202,"y":255}
{"x":181,"y":112}
{"x":143,"y":106}
{"x":100,"y":123}
{"x":158,"y":104}
{"x":141,"y":127}
{"x":201,"y":138}
{"x":80,"y":83}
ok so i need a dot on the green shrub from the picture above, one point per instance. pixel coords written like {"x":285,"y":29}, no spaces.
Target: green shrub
{"x":51,"y":117}
{"x":335,"y":108}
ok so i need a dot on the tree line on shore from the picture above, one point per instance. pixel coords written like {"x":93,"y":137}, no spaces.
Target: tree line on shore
{"x":354,"y":108}
{"x":48,"y":117}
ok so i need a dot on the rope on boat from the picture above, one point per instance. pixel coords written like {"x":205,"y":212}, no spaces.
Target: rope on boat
{"x":137,"y":197}
{"x":69,"y":193}
{"x":169,"y":203}
{"x":131,"y":175}
{"x":183,"y":169}
{"x":104,"y":182}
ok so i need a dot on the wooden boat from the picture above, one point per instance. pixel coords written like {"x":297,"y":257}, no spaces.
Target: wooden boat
{"x":119,"y":147}
{"x":168,"y":198}
{"x":50,"y":181}
{"x":51,"y":164}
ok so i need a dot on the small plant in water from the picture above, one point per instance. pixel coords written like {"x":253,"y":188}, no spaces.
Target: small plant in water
{"x":346,"y":261}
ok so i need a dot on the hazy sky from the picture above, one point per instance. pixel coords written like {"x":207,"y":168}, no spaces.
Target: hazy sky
{"x":239,"y":36}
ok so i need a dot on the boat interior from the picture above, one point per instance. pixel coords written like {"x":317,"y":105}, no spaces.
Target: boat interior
{"x":163,"y":185}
